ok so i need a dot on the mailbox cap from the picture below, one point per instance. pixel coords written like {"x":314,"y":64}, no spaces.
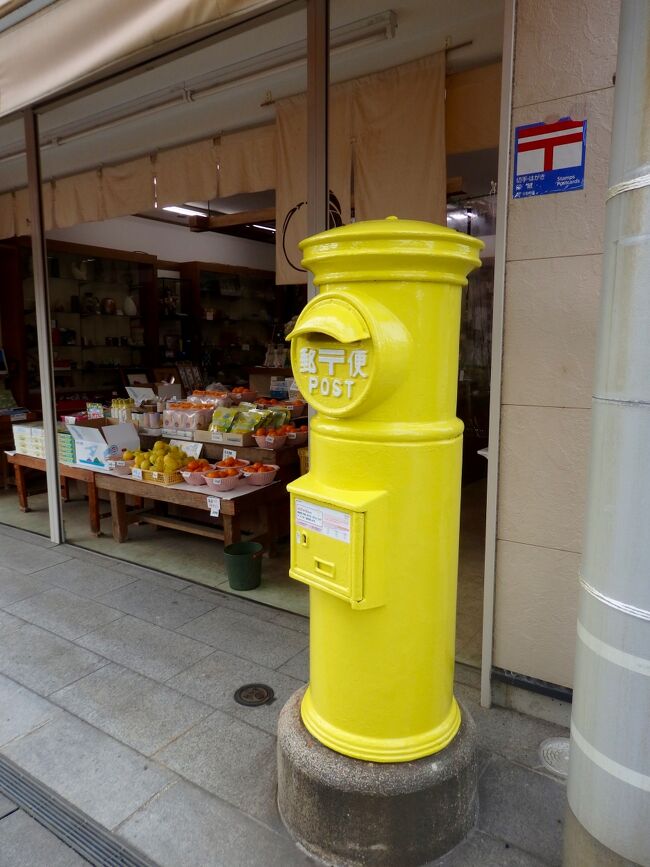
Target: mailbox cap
{"x":333,"y":317}
{"x":391,"y":249}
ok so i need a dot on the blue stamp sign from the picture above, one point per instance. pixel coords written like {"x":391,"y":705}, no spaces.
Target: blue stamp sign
{"x":549,"y":158}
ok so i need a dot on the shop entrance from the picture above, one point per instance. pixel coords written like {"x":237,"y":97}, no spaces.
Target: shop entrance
{"x":173,"y":266}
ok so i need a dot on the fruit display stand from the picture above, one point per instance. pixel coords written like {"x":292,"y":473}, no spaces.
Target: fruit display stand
{"x":257,"y":506}
{"x":286,"y":458}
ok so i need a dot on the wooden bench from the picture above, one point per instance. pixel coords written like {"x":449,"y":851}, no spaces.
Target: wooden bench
{"x":259,"y":502}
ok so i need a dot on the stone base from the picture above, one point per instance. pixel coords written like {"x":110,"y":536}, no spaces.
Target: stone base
{"x":349,"y":812}
{"x":583,"y":850}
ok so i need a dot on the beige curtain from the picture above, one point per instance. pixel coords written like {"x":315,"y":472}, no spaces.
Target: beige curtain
{"x":472,"y":109}
{"x":128,"y":188}
{"x":247,"y":161}
{"x":291,"y":189}
{"x":22,"y":212}
{"x":399,"y":147}
{"x":78,"y":199}
{"x":7,"y":216}
{"x":187,"y":174}
{"x":15,"y":211}
{"x":72,"y":41}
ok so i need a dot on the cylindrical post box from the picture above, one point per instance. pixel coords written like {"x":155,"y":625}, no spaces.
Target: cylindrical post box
{"x":375,"y":522}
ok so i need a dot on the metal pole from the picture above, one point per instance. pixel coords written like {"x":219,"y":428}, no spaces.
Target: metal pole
{"x":507,"y":63}
{"x":318,"y":50}
{"x":42,"y":303}
{"x":609,"y":775}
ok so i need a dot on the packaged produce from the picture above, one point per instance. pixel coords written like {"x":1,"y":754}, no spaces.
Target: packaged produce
{"x":210,"y":398}
{"x":277,"y":416}
{"x":223,"y":418}
{"x":247,"y":421}
{"x":184,"y":415}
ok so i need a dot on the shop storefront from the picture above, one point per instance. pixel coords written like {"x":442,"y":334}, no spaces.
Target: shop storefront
{"x":196,"y":305}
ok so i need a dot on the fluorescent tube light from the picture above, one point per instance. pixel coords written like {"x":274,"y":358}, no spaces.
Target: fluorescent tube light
{"x":184,"y":212}
{"x":374,"y":28}
{"x":266,"y":228}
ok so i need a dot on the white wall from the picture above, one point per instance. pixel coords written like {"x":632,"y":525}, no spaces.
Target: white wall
{"x":168,"y":242}
{"x":565,"y":57}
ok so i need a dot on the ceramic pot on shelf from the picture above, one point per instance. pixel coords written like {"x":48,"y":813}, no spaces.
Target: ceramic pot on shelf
{"x":130,"y":307}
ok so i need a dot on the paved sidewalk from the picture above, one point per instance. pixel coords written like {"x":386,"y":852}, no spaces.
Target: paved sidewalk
{"x":116,"y":691}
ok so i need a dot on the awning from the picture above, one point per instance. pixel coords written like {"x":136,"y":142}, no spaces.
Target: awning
{"x":73,"y":42}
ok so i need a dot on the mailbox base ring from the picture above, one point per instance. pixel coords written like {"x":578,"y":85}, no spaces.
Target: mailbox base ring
{"x":380,"y":750}
{"x":351,"y":812}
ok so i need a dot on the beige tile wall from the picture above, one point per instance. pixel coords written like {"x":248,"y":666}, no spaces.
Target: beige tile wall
{"x":565,"y":59}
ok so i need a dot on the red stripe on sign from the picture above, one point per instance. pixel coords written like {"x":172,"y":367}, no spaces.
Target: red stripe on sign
{"x":542,"y":128}
{"x":547,"y":146}
{"x":548,"y":142}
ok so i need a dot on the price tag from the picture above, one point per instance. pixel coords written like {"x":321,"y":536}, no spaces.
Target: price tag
{"x":136,"y":473}
{"x":269,"y":441}
{"x":229,"y":453}
{"x":214,"y":504}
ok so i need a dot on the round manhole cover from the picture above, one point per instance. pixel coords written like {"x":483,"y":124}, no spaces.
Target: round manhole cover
{"x":254,"y":694}
{"x":554,"y":753}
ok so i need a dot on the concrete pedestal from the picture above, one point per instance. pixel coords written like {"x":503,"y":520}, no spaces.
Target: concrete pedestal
{"x":349,"y":812}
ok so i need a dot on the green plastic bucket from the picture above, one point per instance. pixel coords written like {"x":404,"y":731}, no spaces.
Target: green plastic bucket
{"x":244,"y":565}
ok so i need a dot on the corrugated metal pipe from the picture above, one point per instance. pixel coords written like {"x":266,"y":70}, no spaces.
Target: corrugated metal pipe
{"x":609,"y":775}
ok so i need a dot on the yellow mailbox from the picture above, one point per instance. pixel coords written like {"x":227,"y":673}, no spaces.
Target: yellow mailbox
{"x":375,"y":521}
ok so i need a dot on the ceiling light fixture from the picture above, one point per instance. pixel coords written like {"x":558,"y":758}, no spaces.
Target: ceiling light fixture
{"x":184,"y":212}
{"x":260,"y":226}
{"x":375,"y":28}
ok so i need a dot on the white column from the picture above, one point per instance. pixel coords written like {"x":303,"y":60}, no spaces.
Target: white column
{"x":609,"y":777}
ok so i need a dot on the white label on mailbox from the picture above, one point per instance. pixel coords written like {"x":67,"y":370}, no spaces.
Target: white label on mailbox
{"x":329,"y":522}
{"x":214,"y":504}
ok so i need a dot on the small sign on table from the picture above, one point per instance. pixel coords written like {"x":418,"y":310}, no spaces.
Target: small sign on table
{"x":214,"y":504}
{"x":191,"y":449}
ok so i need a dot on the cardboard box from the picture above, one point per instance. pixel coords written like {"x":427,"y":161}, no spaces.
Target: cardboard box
{"x":96,"y":445}
{"x":153,"y":390}
{"x":167,"y":392}
{"x":29,"y":438}
{"x":225,"y":439}
{"x":67,"y":451}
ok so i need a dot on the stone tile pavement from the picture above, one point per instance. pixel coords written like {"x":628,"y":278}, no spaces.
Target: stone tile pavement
{"x":25,"y":843}
{"x":116,"y":691}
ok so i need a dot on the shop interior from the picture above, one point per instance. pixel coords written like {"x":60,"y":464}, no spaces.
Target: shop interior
{"x":173,"y":200}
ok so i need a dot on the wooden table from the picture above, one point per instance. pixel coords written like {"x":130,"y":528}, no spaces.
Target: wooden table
{"x":263,"y":501}
{"x":7,"y":440}
{"x":66,"y":471}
